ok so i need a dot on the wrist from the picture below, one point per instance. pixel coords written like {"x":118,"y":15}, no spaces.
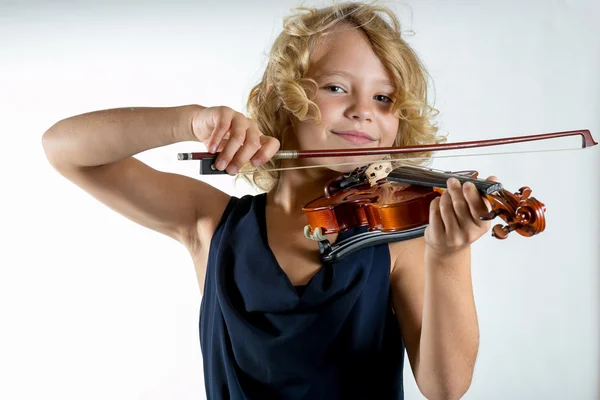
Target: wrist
{"x":184,"y":131}
{"x":438,"y":257}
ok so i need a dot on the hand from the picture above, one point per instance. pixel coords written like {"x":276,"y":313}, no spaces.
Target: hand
{"x":235,"y":136}
{"x":454,"y":218}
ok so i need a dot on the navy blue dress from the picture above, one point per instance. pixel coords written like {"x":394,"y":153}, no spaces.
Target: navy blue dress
{"x":262,"y":338}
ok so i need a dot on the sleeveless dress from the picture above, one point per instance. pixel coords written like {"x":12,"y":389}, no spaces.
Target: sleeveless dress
{"x":262,"y":338}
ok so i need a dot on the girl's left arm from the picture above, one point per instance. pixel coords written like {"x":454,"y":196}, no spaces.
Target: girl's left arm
{"x":433,"y":295}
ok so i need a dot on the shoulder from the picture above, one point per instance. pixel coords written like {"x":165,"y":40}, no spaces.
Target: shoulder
{"x":406,"y":254}
{"x":229,"y":208}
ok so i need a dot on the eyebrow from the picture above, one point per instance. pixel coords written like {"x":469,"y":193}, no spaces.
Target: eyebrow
{"x":351,"y":76}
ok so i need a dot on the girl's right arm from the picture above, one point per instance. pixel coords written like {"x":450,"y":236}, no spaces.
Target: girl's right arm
{"x":95,"y":151}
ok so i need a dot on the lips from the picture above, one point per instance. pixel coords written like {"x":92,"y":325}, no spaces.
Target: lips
{"x":355,"y":137}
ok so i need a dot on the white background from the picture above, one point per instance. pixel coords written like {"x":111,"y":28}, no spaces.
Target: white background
{"x":93,"y":306}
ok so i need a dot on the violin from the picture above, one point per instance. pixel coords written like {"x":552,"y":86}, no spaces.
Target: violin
{"x":393,"y":203}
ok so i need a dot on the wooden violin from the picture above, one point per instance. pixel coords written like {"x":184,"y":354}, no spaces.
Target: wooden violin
{"x":393,"y":203}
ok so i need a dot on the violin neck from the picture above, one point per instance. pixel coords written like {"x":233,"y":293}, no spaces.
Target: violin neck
{"x":426,"y":177}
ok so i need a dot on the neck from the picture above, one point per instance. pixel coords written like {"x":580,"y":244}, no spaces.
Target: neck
{"x":297,"y":187}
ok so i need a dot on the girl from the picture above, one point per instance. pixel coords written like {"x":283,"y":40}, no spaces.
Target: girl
{"x":274,"y":322}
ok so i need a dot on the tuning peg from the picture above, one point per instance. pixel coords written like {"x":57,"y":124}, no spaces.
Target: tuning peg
{"x":489,"y":216}
{"x":524,"y":192}
{"x":501,"y":232}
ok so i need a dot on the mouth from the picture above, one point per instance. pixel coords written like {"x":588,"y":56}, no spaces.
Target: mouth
{"x":355,"y":137}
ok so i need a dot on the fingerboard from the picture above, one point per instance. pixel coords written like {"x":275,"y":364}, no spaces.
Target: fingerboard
{"x":426,"y":177}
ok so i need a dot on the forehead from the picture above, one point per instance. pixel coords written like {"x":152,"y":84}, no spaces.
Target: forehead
{"x":349,"y":50}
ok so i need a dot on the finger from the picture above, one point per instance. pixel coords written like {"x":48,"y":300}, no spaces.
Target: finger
{"x":436,"y":225}
{"x":222,"y":145}
{"x":492,"y":178}
{"x":478,"y":205}
{"x":269,"y":146}
{"x":488,"y":205}
{"x":249,"y":148}
{"x":237,"y":136}
{"x":448,"y":215}
{"x":222,"y":124}
{"x":459,"y":203}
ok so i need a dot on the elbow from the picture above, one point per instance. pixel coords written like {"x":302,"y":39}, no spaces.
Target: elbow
{"x":52,"y":144}
{"x":49,"y":144}
{"x":446,"y":390}
{"x":444,"y":395}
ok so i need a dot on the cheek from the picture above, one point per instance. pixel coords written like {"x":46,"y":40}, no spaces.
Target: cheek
{"x":329,"y":110}
{"x":390,"y":129}
{"x":307,"y":133}
{"x":309,"y":129}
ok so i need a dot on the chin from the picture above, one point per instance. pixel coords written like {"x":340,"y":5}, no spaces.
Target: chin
{"x":342,"y":169}
{"x":350,"y":163}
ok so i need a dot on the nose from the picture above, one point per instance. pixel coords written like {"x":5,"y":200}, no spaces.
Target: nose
{"x":360,"y":109}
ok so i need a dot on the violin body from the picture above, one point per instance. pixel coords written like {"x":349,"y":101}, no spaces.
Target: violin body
{"x":388,"y":207}
{"x":394,"y":205}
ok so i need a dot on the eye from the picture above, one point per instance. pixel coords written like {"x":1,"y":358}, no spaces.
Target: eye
{"x":333,"y":88}
{"x":383,"y":98}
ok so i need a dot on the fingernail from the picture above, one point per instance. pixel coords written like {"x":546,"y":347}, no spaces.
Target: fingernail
{"x":221,"y":165}
{"x":452,"y":181}
{"x":232,"y":169}
{"x":255,"y":163}
{"x":213,"y":148}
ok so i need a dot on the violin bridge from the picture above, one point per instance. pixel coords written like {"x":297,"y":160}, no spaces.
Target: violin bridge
{"x":378,"y":171}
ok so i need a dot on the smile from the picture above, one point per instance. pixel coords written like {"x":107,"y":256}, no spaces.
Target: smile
{"x":355,"y":137}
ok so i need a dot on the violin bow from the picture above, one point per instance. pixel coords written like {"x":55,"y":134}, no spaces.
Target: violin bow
{"x":207,"y":168}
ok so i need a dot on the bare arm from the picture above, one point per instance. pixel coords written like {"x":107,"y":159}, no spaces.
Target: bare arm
{"x":434,"y":304}
{"x":103,"y":137}
{"x":433,"y":294}
{"x":94,"y":151}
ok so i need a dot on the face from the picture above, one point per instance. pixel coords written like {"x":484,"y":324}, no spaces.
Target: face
{"x":354,"y":97}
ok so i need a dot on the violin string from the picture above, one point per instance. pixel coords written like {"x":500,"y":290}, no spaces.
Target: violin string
{"x":406,"y":159}
{"x":436,"y":176}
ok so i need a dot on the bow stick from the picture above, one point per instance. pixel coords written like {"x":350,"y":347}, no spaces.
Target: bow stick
{"x":206,"y":159}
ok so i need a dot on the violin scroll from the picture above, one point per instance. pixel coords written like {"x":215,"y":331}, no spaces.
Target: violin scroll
{"x":522,"y":213}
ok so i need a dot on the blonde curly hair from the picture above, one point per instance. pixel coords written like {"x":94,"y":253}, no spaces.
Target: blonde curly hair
{"x":284,"y":91}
